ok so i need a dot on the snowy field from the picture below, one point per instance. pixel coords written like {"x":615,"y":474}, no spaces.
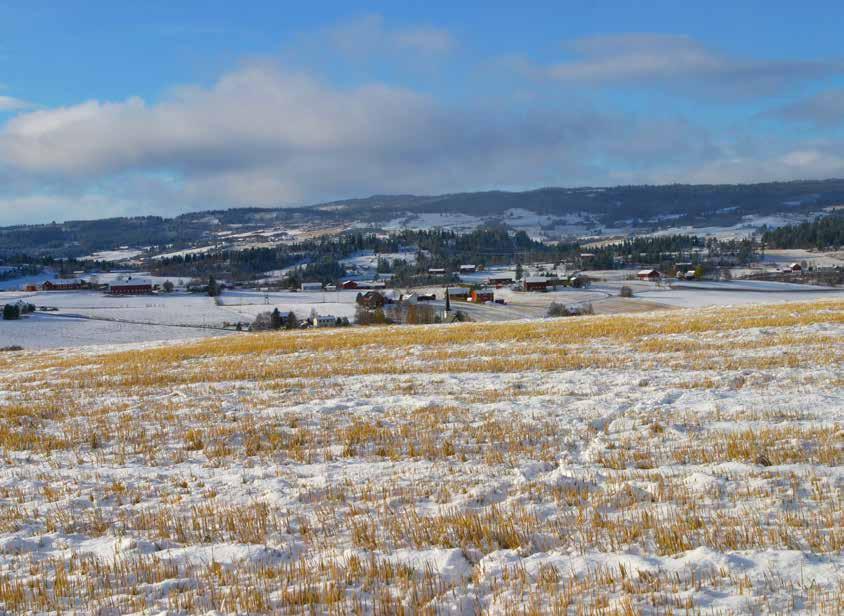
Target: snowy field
{"x":706,"y":293}
{"x":749,"y":225}
{"x":685,"y":461}
{"x":123,"y":254}
{"x":94,"y":318}
{"x":41,"y":331}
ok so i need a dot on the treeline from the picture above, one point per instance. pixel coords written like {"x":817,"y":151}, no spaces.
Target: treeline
{"x":822,"y":233}
{"x":79,"y":238}
{"x":319,"y":258}
{"x":20,"y":264}
{"x":668,"y":250}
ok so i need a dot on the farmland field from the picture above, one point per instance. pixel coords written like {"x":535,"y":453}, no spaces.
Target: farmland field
{"x":651,"y":463}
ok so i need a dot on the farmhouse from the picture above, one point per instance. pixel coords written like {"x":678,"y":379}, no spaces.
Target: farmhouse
{"x":690,"y":275}
{"x":468,"y":269}
{"x":648,"y":274}
{"x":371,"y":300}
{"x":500,"y":279}
{"x":70,"y":284}
{"x":536,"y":283}
{"x":436,"y":271}
{"x":324,"y":320}
{"x":795,"y":267}
{"x":133,"y":286}
{"x":312,"y":286}
{"x":479,"y":296}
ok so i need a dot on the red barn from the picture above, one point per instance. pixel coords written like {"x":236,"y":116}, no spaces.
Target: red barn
{"x":536,"y":283}
{"x":484,"y":295}
{"x":62,"y":285}
{"x":648,"y":274}
{"x":500,"y":279}
{"x":130,"y":287}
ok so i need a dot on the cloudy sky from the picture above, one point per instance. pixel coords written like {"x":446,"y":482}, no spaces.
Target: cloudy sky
{"x":163,"y":107}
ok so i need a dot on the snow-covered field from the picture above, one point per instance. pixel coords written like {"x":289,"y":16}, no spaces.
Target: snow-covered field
{"x":660,"y":463}
{"x":95,"y":318}
{"x":708,"y":293}
{"x":749,"y":225}
{"x":42,"y":331}
{"x":123,"y":254}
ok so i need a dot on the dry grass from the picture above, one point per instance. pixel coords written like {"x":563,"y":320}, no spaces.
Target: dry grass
{"x":322,"y":460}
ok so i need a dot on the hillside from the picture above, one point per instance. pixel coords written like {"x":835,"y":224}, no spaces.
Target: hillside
{"x":656,"y":462}
{"x":554,"y":213}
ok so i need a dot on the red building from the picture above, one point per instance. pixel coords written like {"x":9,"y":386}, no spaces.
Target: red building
{"x":500,"y":279}
{"x":484,"y":295}
{"x":62,"y":285}
{"x":130,"y":287}
{"x":536,"y":283}
{"x":648,"y":274}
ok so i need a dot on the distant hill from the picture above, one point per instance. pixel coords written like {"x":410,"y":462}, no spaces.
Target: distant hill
{"x":629,"y":206}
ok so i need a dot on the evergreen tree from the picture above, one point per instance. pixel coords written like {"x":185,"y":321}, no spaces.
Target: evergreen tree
{"x":11,"y":312}
{"x":275,"y":319}
{"x":213,"y":287}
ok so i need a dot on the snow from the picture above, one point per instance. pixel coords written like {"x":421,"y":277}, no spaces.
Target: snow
{"x":579,"y":469}
{"x":96,"y":318}
{"x":40,"y":331}
{"x":366,"y":262}
{"x":691,"y":294}
{"x":538,"y":226}
{"x":749,"y":225}
{"x":123,"y":254}
{"x":433,"y":220}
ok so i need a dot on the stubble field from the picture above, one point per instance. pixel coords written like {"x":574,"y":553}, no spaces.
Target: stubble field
{"x":668,"y":462}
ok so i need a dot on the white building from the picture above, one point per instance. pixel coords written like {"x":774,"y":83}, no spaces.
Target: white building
{"x":324,"y":320}
{"x":459,"y":292}
{"x":312,"y":286}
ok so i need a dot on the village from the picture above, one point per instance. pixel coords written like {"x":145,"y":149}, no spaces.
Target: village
{"x":83,"y":308}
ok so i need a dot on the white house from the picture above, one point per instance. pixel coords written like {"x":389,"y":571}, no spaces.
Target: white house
{"x":459,"y":292}
{"x":324,"y":320}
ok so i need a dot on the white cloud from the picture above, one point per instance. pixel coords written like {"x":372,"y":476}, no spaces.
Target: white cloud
{"x":370,"y":34}
{"x":823,"y":110}
{"x":9,"y":103}
{"x":680,"y":64}
{"x":264,"y":136}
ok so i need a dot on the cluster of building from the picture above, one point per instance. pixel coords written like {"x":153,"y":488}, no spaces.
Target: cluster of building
{"x":130,"y":286}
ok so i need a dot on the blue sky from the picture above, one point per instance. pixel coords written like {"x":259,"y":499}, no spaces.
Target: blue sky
{"x":163,"y":107}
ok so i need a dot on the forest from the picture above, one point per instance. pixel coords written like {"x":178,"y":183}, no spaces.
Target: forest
{"x":823,"y":233}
